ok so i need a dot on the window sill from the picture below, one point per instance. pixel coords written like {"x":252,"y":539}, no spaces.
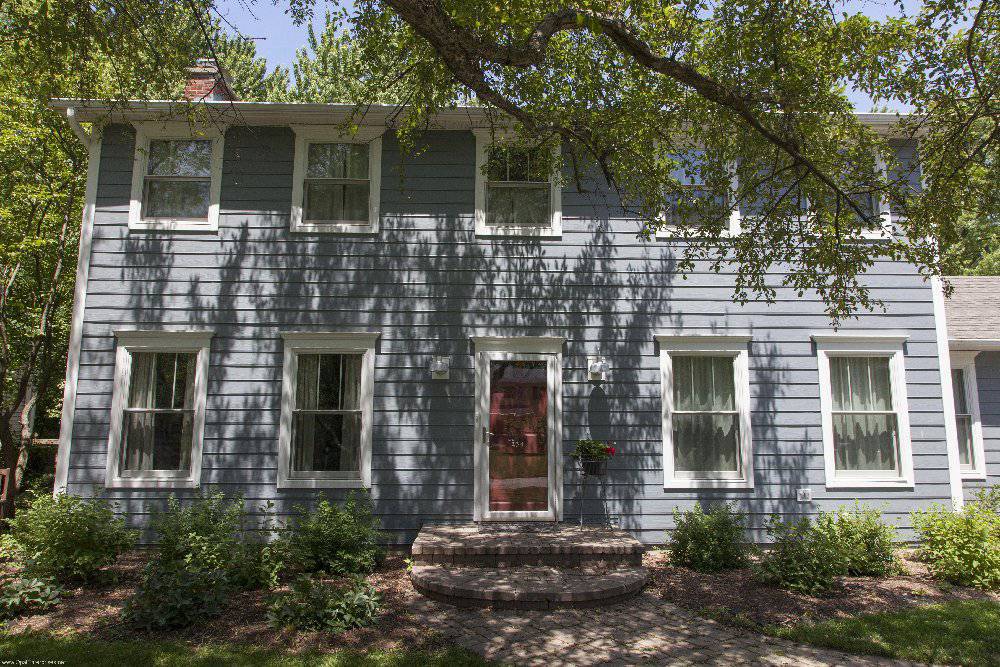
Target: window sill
{"x":153,"y":483}
{"x":721,"y":484}
{"x":173,"y":226}
{"x":334,"y":228}
{"x":874,"y":483}
{"x":317,"y":483}
{"x":518,"y":232}
{"x":974,"y":476}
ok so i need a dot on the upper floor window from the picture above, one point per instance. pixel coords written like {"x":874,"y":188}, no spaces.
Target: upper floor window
{"x":336,"y":180}
{"x":158,"y":409}
{"x":176,"y":177}
{"x":696,"y":199}
{"x":971,"y":451}
{"x":707,"y":441}
{"x":327,"y":407}
{"x":866,"y":431}
{"x":517,"y":192}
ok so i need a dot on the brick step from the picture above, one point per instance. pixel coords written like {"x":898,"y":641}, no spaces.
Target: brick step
{"x":558,"y":545}
{"x":528,"y":587}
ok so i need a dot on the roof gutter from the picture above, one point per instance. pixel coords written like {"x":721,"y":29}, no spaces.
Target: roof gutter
{"x":74,"y":124}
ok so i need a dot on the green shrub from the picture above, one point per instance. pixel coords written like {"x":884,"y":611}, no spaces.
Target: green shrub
{"x":66,"y":537}
{"x":801,"y":558}
{"x":28,"y":594}
{"x":709,"y":542}
{"x":962,"y":547}
{"x":866,"y":543}
{"x":209,"y":534}
{"x":312,"y":605}
{"x":334,"y":539}
{"x":174,"y":596}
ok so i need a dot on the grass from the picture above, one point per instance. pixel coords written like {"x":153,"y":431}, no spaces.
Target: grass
{"x":957,"y":633}
{"x":75,"y":650}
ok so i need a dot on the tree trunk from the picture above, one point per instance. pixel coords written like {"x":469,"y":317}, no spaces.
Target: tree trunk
{"x":15,"y":437}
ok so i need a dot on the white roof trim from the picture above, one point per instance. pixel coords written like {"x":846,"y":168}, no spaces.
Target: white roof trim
{"x":981,"y":344}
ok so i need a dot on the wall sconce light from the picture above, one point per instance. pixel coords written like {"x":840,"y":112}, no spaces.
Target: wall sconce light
{"x":597,"y":369}
{"x":440,"y":368}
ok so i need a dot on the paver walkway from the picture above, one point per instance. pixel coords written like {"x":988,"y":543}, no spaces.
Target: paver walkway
{"x":644,"y":630}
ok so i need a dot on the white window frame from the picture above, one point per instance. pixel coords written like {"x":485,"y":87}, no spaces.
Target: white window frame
{"x":884,"y":231}
{"x":735,"y":228}
{"x":168,"y":341}
{"x":363,"y":343}
{"x":485,"y":137}
{"x":966,"y":362}
{"x":874,"y":345}
{"x":180,"y":131}
{"x":321,"y":134}
{"x":735,"y":346}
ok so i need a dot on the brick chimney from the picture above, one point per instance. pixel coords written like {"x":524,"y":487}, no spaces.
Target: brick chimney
{"x":207,"y":82}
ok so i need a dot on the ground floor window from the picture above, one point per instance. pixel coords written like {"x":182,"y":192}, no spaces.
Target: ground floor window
{"x":964,"y":385}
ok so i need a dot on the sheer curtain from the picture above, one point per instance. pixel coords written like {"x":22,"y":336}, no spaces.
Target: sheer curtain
{"x":306,"y":398}
{"x":864,"y":423}
{"x":137,"y":453}
{"x":963,"y":420}
{"x":159,"y":417}
{"x":705,"y":421}
{"x":327,"y":421}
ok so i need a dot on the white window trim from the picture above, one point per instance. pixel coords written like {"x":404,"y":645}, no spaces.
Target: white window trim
{"x":884,"y":231}
{"x":549,"y":349}
{"x":735,"y":228}
{"x":735,"y":346}
{"x":330,"y":343}
{"x":484,"y":138}
{"x":308,"y":134}
{"x":875,"y":345}
{"x":966,"y":362}
{"x":147,"y":131}
{"x":129,"y":341}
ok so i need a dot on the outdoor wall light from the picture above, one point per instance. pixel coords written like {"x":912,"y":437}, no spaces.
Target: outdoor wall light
{"x":597,"y":368}
{"x":440,"y":368}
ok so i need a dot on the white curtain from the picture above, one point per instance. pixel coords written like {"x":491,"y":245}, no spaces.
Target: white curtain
{"x":159,"y":420}
{"x":327,"y":423}
{"x":705,"y":423}
{"x":864,"y":426}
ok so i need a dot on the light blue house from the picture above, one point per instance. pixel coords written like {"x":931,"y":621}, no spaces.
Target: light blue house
{"x":268,"y":306}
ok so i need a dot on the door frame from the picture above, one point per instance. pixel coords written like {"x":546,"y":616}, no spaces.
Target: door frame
{"x":544,"y":348}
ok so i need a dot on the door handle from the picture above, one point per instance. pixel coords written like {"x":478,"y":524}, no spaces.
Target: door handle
{"x":486,"y":435}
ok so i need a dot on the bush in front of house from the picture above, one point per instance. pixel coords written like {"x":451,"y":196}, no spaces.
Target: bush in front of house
{"x":334,"y":539}
{"x":173,"y":595}
{"x":28,"y":594}
{"x":867,"y":544}
{"x":209,"y":533}
{"x":709,"y":541}
{"x":66,"y":538}
{"x":313,"y":605}
{"x":801,"y":558}
{"x":963,"y":547}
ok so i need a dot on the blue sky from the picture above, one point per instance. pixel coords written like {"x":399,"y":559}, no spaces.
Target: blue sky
{"x":261,"y":18}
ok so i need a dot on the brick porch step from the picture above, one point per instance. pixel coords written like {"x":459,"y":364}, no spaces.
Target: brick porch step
{"x":562,"y":545}
{"x":527,"y":587}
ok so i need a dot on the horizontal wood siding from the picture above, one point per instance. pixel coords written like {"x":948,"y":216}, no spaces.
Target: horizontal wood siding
{"x":427,"y":283}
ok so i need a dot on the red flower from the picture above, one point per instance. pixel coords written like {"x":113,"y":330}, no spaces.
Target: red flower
{"x":610,"y":451}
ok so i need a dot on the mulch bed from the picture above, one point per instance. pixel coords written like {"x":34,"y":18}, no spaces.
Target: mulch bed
{"x":735,"y":596}
{"x":95,"y":611}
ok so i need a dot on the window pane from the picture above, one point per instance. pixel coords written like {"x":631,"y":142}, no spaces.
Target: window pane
{"x":516,"y":163}
{"x":337,"y":161}
{"x":343,"y":202}
{"x":865,"y":442}
{"x":157,"y":441}
{"x":162,"y":380}
{"x":180,"y":158}
{"x":326,"y":442}
{"x":518,"y":206}
{"x":958,"y":387}
{"x":860,"y":383}
{"x":703,"y":383}
{"x":706,"y":443}
{"x":175,"y":199}
{"x":328,"y":382}
{"x":966,"y":457}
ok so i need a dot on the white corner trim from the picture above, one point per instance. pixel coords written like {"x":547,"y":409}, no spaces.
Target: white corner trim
{"x":966,"y":361}
{"x":79,"y":306}
{"x":882,"y":346}
{"x":539,"y":344}
{"x":484,"y":136}
{"x":947,"y":395}
{"x":129,"y":341}
{"x":307,"y":134}
{"x":724,"y":345}
{"x":147,"y":131}
{"x":334,"y":342}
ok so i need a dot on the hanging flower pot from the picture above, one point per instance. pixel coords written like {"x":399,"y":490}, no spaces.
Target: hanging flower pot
{"x":594,"y":467}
